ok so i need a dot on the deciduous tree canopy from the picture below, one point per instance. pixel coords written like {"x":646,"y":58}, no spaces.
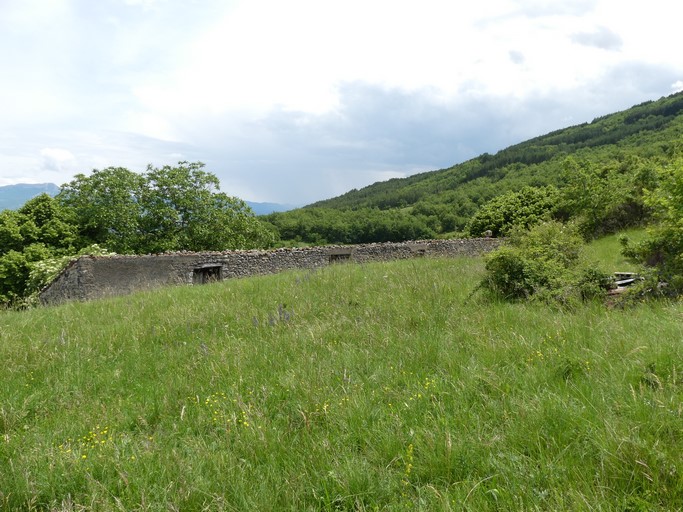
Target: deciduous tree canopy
{"x":163,"y":209}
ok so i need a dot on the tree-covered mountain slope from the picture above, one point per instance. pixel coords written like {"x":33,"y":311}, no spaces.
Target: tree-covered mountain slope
{"x":621,"y":148}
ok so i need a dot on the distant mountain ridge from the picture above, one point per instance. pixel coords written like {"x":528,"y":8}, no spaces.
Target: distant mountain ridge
{"x":266,"y":208}
{"x":14,"y":196}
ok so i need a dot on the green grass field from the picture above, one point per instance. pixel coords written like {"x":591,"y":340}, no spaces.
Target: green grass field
{"x":373,"y":387}
{"x":607,"y":251}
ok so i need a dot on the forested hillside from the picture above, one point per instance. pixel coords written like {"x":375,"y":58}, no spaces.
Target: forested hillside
{"x":610,"y":160}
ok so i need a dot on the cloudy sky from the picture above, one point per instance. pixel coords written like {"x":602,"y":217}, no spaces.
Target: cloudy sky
{"x":299,"y":100}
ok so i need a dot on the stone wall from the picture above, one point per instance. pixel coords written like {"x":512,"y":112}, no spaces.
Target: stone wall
{"x":93,"y":277}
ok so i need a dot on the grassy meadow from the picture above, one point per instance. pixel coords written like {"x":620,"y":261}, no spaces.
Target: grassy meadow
{"x":606,"y":251}
{"x":357,"y":387}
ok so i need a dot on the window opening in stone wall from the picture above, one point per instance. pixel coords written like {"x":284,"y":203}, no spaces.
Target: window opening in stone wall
{"x":340,"y":257}
{"x":208,"y":274}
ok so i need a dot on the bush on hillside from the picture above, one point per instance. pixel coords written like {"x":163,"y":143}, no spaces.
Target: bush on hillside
{"x":525,"y":208}
{"x":544,"y":262}
{"x":605,"y":198}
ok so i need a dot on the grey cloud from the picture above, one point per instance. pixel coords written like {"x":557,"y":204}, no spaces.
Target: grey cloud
{"x":637,"y":80}
{"x":602,"y":38}
{"x":300,"y":158}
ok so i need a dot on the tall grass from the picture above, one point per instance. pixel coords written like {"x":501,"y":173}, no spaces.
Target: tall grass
{"x":608,"y":250}
{"x":373,"y":387}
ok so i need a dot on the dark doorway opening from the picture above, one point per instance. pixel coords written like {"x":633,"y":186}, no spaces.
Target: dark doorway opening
{"x":207,"y":274}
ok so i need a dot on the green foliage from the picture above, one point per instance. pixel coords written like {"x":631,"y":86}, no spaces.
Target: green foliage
{"x":323,"y":225}
{"x":39,"y":220}
{"x":183,"y":210}
{"x":606,"y":198}
{"x":40,"y":229}
{"x":164,"y":209}
{"x":107,"y":206}
{"x":525,"y":208}
{"x":14,"y":270}
{"x":11,"y":238}
{"x":663,"y":248}
{"x":543,"y":262}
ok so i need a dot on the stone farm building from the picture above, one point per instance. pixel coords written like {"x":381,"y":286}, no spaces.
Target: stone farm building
{"x":93,"y":277}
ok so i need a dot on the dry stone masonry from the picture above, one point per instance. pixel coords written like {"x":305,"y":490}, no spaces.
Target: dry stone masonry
{"x":93,"y":277}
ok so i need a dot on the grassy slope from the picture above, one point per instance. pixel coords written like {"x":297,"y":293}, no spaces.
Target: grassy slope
{"x":377,"y":387}
{"x":607,"y":251}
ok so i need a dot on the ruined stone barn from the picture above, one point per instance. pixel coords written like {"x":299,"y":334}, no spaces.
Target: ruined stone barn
{"x":93,"y":277}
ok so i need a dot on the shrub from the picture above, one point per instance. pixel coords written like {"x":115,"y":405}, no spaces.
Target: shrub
{"x":663,"y":249}
{"x":545,"y":262}
{"x":524,"y":208}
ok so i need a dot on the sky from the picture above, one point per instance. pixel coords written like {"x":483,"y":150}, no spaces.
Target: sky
{"x":301,"y":100}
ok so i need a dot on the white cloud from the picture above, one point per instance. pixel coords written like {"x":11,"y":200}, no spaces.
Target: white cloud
{"x":56,"y":159}
{"x":544,"y":8}
{"x":143,"y":3}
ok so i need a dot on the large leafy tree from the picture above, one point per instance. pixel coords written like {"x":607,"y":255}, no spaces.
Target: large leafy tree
{"x":10,"y":231}
{"x":45,"y":221}
{"x":184,"y":210}
{"x":164,"y":209}
{"x":107,"y":207}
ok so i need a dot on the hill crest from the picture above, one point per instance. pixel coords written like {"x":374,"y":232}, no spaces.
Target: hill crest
{"x":440,"y":203}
